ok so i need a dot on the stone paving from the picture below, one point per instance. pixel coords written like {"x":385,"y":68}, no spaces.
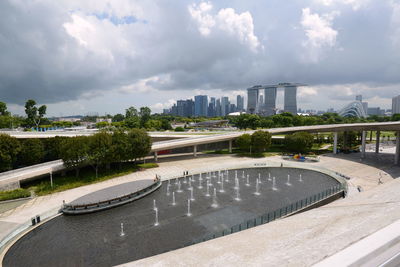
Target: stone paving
{"x":364,"y":173}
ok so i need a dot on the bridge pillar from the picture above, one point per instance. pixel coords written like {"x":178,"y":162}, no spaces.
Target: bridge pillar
{"x":335,"y":137}
{"x":378,"y":136}
{"x":230,"y":146}
{"x":155,"y":156}
{"x":363,"y":137}
{"x":195,"y":151}
{"x":397,"y":155}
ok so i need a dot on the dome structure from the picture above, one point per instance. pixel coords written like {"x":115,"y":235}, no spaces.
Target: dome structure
{"x":354,"y":109}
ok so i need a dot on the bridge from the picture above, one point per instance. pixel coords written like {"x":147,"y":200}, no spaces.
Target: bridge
{"x":11,"y":179}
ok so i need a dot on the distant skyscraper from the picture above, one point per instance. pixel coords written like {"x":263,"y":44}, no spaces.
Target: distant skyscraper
{"x":240,"y":103}
{"x":200,"y":105}
{"x":269,"y":101}
{"x":365,"y":106}
{"x":224,"y":106}
{"x":218,"y":107}
{"x":252,"y":99}
{"x":290,"y":104}
{"x":396,"y":105}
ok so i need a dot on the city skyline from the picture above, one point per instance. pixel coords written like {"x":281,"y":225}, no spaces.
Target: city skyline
{"x":105,"y":56}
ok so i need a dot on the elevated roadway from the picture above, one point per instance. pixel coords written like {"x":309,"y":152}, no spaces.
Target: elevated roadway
{"x":14,"y":177}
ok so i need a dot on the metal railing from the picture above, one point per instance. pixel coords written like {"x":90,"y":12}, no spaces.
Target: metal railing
{"x":276,"y":214}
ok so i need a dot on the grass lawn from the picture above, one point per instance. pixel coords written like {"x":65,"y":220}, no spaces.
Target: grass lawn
{"x":14,"y":194}
{"x":87,"y":176}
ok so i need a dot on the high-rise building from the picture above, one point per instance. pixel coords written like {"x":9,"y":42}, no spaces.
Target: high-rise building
{"x":200,"y":105}
{"x":218,"y":107}
{"x":290,"y":104}
{"x":396,"y":105}
{"x":224,"y":105}
{"x":252,"y":99}
{"x":374,"y":111}
{"x":270,"y":101}
{"x":240,"y":103}
{"x":211,"y":108}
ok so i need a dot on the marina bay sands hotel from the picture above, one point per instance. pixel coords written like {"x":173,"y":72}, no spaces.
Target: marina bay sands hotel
{"x":265,"y":104}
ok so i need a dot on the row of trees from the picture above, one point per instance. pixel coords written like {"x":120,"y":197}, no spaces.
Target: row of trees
{"x":16,"y":153}
{"x":34,"y":116}
{"x":287,"y":119}
{"x":104,"y":148}
{"x":260,"y":141}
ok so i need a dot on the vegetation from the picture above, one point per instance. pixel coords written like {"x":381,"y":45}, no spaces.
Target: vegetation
{"x":300,"y":142}
{"x":260,"y":141}
{"x":87,"y":176}
{"x":104,"y":148}
{"x":244,"y":142}
{"x":14,"y":194}
{"x":9,"y":149}
{"x":34,"y":114}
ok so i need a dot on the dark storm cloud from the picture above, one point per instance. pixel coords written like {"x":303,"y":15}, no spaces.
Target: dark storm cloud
{"x":56,"y":51}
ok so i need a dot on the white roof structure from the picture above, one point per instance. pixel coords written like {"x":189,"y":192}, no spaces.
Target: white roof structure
{"x":354,"y":109}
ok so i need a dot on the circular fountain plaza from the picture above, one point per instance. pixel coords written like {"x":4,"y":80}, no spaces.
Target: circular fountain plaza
{"x":180,"y":212}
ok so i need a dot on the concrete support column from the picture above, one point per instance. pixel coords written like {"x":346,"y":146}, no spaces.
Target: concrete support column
{"x":335,"y":137}
{"x":363,"y":137}
{"x":195,"y":151}
{"x":397,"y":155}
{"x":230,"y":146}
{"x":378,"y":136}
{"x":155,"y":156}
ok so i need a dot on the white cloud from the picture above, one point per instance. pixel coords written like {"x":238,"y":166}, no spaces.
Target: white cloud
{"x":158,"y":107}
{"x":200,"y":14}
{"x":307,"y":91}
{"x":319,"y":32}
{"x":355,"y":4}
{"x":227,"y":20}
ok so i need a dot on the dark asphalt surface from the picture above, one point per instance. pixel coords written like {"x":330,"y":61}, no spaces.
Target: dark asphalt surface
{"x":94,"y":239}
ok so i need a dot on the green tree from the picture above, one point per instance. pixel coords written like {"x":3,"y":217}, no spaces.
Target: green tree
{"x":165,"y":124}
{"x":244,"y":142}
{"x":9,"y":149}
{"x":179,"y":129}
{"x":120,"y":146}
{"x":34,"y":113}
{"x":32,"y":152}
{"x":102,"y":124}
{"x":260,"y":141}
{"x":52,"y":147}
{"x":299,"y":142}
{"x":139,"y":144}
{"x":100,"y":150}
{"x":145,"y":114}
{"x":132,"y":122}
{"x":118,"y":117}
{"x":74,"y":152}
{"x":3,"y":109}
{"x":153,"y":124}
{"x":131,"y":112}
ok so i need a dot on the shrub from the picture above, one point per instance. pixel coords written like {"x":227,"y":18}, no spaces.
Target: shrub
{"x":299,"y":142}
{"x":260,"y":141}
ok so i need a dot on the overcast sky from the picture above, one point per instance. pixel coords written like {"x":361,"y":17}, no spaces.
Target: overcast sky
{"x":103,"y":56}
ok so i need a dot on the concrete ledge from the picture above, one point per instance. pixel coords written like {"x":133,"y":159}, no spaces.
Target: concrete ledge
{"x":373,"y":250}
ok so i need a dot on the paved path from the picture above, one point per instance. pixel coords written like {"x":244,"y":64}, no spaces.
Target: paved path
{"x":366,"y":176}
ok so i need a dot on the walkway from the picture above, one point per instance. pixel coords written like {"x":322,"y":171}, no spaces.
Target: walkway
{"x":290,"y":238}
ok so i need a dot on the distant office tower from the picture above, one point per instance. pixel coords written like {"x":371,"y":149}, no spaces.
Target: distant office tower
{"x":240,"y":103}
{"x":232,"y":108}
{"x":200,"y":105}
{"x":261,"y":101}
{"x":365,"y":106}
{"x":396,"y":105}
{"x":224,"y":106}
{"x":218,"y":107}
{"x":374,"y":111}
{"x":269,"y":101}
{"x":252,"y":99}
{"x":184,"y":108}
{"x":211,"y":108}
{"x":359,"y":98}
{"x":290,"y":104}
